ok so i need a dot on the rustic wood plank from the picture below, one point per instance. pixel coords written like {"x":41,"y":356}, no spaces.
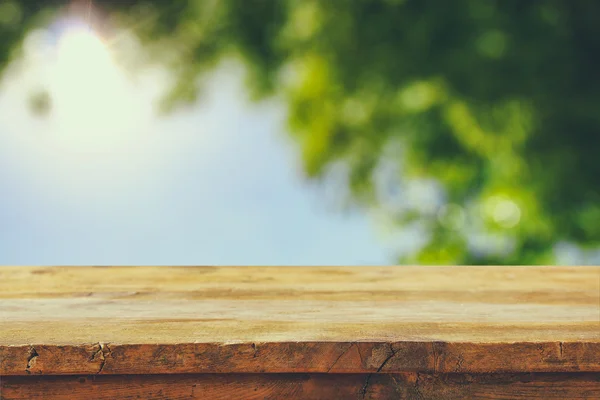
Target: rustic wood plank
{"x":156,"y":320}
{"x":304,"y":386}
{"x":298,"y":357}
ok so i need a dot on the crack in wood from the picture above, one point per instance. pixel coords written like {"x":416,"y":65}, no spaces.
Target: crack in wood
{"x":418,"y":393}
{"x":365,"y":387}
{"x":560,"y":346}
{"x":459,"y":362}
{"x":33,"y":355}
{"x":102,"y":353}
{"x":340,"y":356}
{"x":362,"y":362}
{"x":434,"y":353}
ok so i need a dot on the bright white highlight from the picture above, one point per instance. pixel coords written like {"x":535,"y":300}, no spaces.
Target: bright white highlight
{"x":97,"y":135}
{"x":503,"y":211}
{"x":89,"y":101}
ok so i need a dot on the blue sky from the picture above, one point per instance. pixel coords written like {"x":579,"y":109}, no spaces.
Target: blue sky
{"x":217,"y":183}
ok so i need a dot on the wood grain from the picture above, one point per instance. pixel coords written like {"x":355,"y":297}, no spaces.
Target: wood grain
{"x":305,"y":387}
{"x":351,"y":320}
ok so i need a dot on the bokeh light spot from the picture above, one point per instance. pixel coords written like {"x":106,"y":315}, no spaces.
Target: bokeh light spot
{"x":502,"y":211}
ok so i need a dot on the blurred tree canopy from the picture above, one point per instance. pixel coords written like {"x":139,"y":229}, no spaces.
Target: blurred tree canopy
{"x":493,"y":105}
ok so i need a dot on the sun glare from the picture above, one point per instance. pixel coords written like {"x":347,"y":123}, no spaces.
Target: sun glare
{"x":94,"y":127}
{"x":86,"y":89}
{"x":90,"y":94}
{"x":78,"y":122}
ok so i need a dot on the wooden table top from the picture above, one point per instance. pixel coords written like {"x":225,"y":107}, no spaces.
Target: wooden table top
{"x":157,"y":320}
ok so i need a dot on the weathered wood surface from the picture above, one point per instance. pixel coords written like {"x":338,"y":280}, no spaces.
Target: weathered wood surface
{"x":561,"y":386}
{"x":178,"y":320}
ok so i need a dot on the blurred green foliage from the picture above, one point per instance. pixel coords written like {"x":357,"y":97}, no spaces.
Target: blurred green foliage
{"x":498,"y":101}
